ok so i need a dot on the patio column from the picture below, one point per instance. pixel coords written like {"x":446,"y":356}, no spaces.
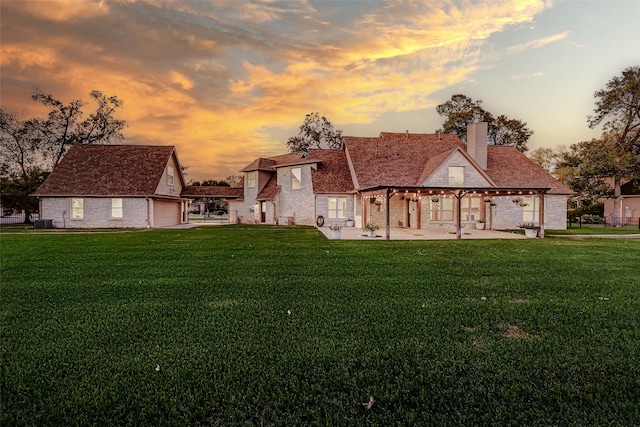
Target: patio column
{"x":459,"y":196}
{"x":388,"y":222}
{"x":365,"y":210}
{"x":541,"y":214}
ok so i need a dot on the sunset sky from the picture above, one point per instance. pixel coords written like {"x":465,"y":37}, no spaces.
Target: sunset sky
{"x":229,"y":81}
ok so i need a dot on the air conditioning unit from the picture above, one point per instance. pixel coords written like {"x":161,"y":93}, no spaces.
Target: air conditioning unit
{"x":43,"y":223}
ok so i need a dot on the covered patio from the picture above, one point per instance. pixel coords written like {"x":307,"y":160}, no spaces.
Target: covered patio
{"x":383,"y":195}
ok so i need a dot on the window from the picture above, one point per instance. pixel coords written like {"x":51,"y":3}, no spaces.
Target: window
{"x":442,"y":210}
{"x":251,"y":179}
{"x":296,"y":178}
{"x":470,"y":208}
{"x":337,"y":207}
{"x":169,"y":175}
{"x":116,"y":208}
{"x":456,"y":176}
{"x":530,"y":207}
{"x":77,"y":208}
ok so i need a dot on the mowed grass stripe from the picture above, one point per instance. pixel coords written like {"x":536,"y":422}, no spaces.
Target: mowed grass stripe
{"x":279,"y":326}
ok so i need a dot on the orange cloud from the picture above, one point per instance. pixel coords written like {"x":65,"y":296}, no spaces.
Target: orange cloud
{"x":211,"y":78}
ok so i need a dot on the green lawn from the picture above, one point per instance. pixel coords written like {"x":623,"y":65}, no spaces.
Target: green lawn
{"x":591,"y":230}
{"x":253,"y":325}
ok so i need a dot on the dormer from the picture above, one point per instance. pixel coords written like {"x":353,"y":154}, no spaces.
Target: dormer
{"x":257,"y":174}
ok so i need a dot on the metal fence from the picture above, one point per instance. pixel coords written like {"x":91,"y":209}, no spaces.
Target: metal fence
{"x":594,"y":221}
{"x":17,"y":220}
{"x":215,"y":217}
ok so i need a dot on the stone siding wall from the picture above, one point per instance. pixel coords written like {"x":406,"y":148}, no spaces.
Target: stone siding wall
{"x":555,"y":212}
{"x":507,"y":215}
{"x":440,"y":177}
{"x":97,"y":213}
{"x":297,"y":204}
{"x":322,"y":208}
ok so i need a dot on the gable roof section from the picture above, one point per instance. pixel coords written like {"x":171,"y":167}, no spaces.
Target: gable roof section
{"x":331,"y":174}
{"x":395,"y":159}
{"x":260,"y":164}
{"x":270,"y":189}
{"x":109,"y":170}
{"x":434,"y":163}
{"x":404,"y":159}
{"x":508,"y":167}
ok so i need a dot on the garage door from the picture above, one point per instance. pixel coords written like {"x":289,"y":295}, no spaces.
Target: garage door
{"x":166,"y":213}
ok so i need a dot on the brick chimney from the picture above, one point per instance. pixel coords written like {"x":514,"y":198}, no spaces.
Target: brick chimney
{"x":477,"y":143}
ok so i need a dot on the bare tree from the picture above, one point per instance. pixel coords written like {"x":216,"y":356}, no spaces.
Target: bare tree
{"x":31,"y":148}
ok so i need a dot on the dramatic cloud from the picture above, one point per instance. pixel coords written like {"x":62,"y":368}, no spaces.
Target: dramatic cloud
{"x":212,"y":77}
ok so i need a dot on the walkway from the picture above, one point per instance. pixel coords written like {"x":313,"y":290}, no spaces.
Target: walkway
{"x":353,"y":233}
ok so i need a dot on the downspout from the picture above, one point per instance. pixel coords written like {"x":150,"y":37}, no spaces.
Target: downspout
{"x":355,"y":200}
{"x":275,"y":212}
{"x":148,"y":213}
{"x":365,"y":209}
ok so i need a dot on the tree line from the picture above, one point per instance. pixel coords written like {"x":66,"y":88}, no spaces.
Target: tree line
{"x":598,"y":168}
{"x":592,"y":169}
{"x":31,"y":148}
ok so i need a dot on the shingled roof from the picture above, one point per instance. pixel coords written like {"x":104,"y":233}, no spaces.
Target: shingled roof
{"x":404,"y":159}
{"x":200,"y":191}
{"x":395,"y":159}
{"x":508,"y":167}
{"x":330,"y":176}
{"x":260,"y":164}
{"x":108,"y":170}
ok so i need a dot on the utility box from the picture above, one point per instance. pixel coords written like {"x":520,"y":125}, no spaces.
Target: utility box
{"x":43,"y":223}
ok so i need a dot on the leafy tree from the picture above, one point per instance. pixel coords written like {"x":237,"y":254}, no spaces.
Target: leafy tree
{"x":545,"y":157}
{"x":506,"y":131}
{"x":233,"y":180}
{"x":31,"y":148}
{"x":461,"y":111}
{"x":587,"y":168}
{"x":315,"y":132}
{"x":618,"y":112}
{"x":213,"y":204}
{"x":15,"y":192}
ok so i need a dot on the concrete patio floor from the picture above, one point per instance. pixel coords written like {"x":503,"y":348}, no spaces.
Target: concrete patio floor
{"x":353,"y":233}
